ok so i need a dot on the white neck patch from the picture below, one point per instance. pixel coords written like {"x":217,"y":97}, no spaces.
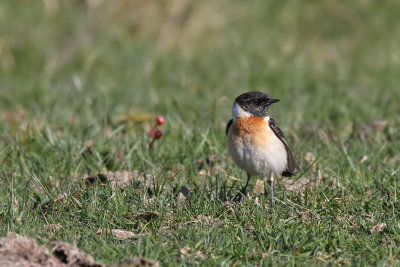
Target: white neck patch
{"x":238,"y":112}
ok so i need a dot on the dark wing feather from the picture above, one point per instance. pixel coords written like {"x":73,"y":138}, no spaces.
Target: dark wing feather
{"x":292,"y":165}
{"x":228,"y":126}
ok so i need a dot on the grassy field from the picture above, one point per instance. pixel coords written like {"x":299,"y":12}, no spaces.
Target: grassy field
{"x":82,"y":81}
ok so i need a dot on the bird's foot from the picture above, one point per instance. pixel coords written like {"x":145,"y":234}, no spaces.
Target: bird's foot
{"x":242,"y":193}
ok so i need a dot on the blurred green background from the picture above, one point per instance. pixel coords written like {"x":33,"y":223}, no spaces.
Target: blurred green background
{"x":329,"y":61}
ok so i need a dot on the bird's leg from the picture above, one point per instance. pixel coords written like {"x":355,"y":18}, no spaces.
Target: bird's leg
{"x":245,"y":187}
{"x":243,"y":192}
{"x":272,"y":190}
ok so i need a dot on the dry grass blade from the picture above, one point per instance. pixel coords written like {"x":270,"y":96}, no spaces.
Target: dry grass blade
{"x":297,"y":185}
{"x":53,"y":227}
{"x":120,"y":234}
{"x":387,"y":240}
{"x":119,"y":179}
{"x":259,"y":187}
{"x":378,"y":228}
{"x":379,"y":126}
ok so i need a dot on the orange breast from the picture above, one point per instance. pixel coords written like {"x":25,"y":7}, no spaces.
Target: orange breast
{"x":253,"y":131}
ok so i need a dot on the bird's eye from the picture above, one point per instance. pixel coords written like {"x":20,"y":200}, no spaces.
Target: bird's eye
{"x":256,"y":101}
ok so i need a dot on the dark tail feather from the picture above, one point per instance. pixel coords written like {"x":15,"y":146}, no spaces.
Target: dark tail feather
{"x":292,"y":165}
{"x":228,"y":126}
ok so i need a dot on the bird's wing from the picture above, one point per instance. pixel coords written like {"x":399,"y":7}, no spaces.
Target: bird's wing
{"x":292,"y":165}
{"x":228,"y":126}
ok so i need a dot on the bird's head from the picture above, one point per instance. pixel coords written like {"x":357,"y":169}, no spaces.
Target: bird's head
{"x":252,"y":104}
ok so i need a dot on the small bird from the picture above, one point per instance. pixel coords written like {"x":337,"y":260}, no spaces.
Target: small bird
{"x":255,"y":142}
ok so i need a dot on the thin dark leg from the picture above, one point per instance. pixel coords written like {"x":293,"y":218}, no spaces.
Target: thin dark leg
{"x":245,"y":187}
{"x":243,"y":192}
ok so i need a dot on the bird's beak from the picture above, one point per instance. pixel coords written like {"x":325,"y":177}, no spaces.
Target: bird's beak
{"x":272,"y":100}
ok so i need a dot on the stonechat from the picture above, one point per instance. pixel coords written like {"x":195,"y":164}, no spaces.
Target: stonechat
{"x":255,"y":142}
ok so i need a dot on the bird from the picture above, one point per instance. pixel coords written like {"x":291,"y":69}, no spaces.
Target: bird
{"x":256,"y":143}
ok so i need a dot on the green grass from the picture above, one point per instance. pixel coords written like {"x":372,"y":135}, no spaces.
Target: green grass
{"x":335,"y":67}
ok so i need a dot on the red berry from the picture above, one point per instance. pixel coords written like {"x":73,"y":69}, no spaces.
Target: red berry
{"x":160,"y":120}
{"x":158,"y":134}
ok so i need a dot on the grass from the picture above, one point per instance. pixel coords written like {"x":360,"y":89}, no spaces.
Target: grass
{"x":82,"y":82}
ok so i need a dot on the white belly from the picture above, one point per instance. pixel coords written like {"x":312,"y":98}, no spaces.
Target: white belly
{"x":261,"y":161}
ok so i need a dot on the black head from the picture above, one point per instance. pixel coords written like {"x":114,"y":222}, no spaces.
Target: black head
{"x":255,"y":103}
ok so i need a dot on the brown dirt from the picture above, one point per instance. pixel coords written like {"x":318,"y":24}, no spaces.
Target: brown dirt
{"x":21,"y":251}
